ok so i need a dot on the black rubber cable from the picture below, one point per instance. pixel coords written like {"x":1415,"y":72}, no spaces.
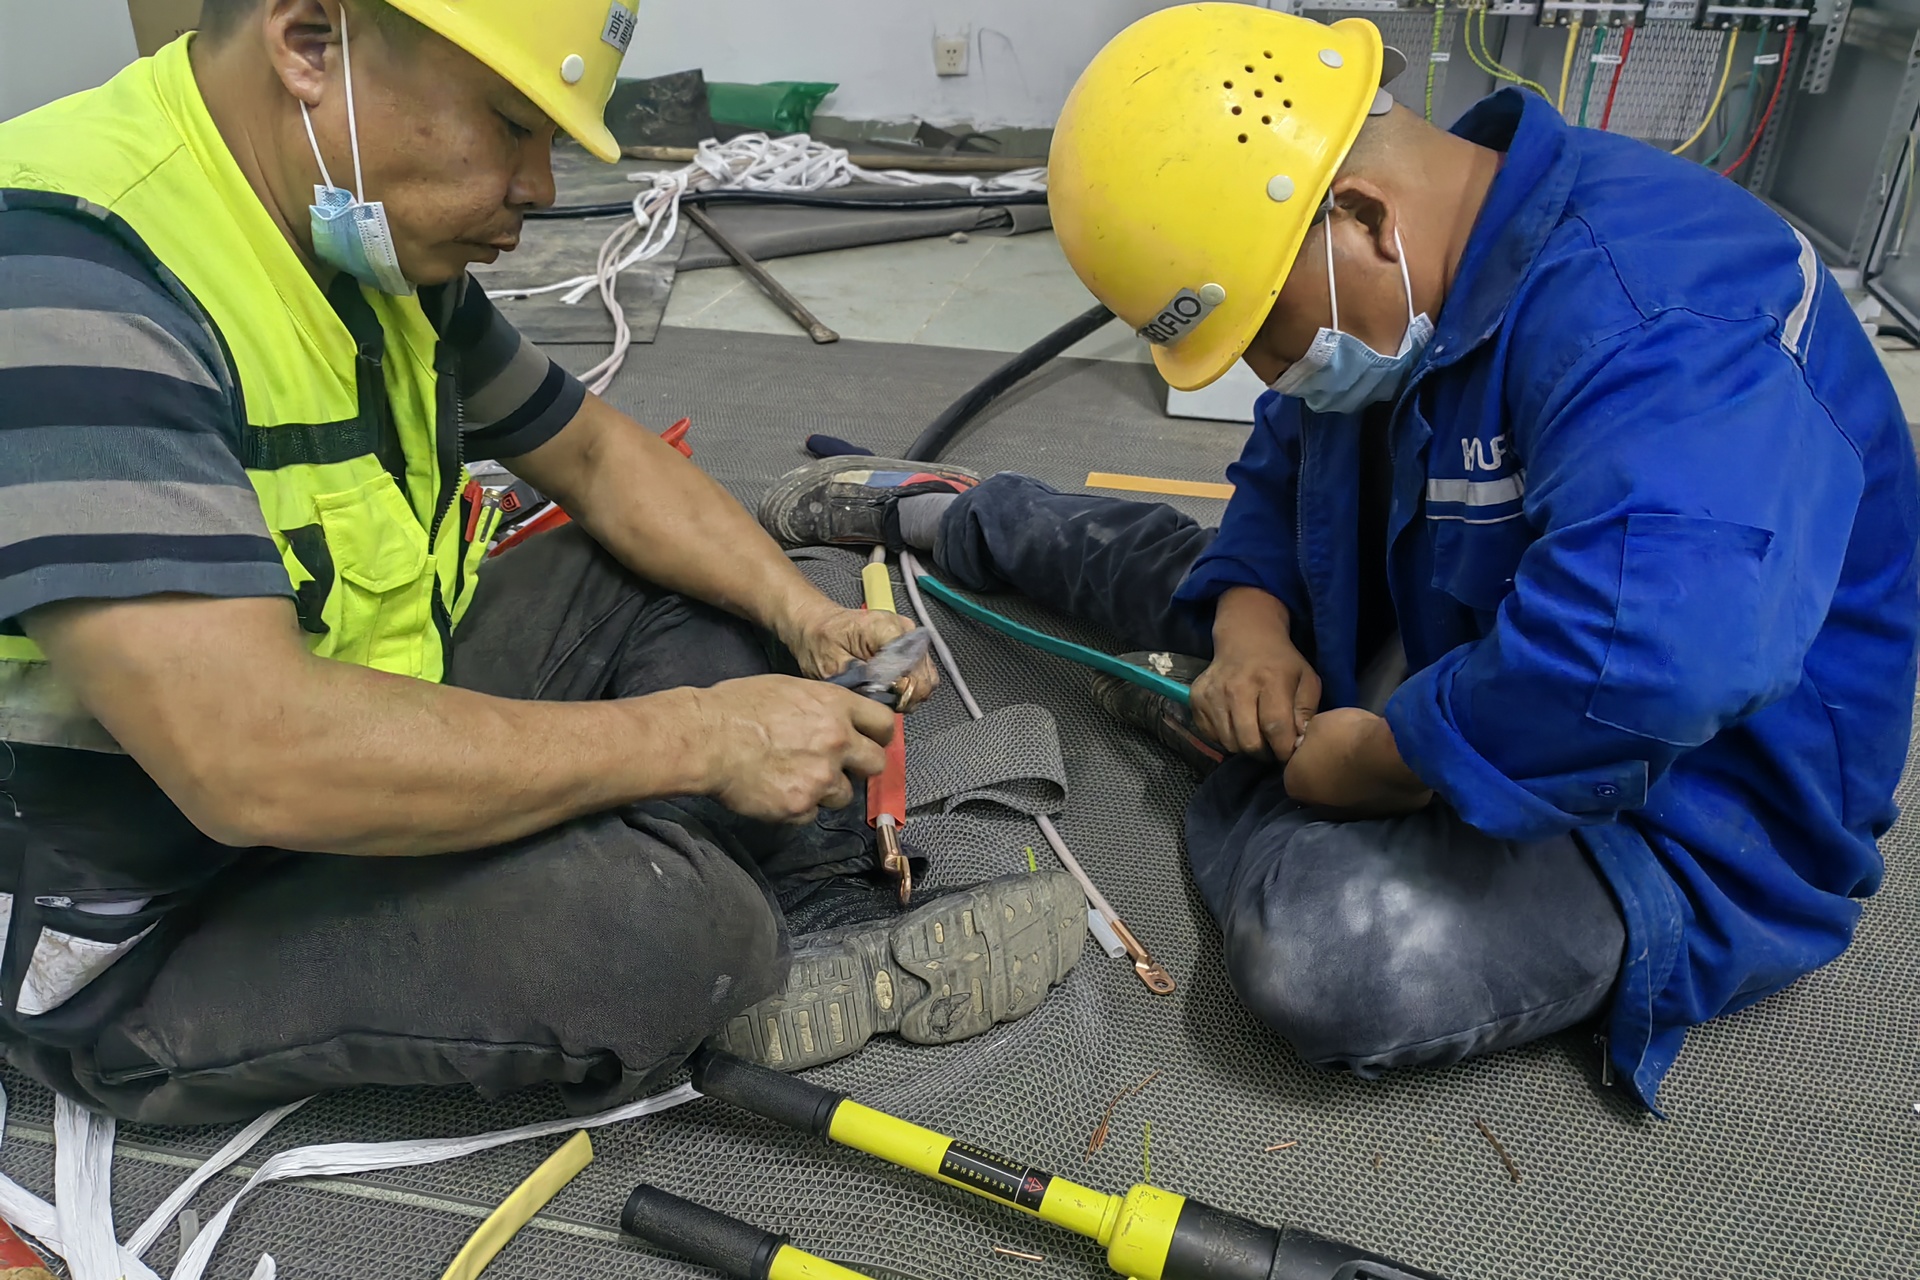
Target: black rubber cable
{"x":803,"y":199}
{"x":935,"y":439}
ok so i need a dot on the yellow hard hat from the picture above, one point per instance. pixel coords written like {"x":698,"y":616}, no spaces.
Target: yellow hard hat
{"x":563,"y":54}
{"x":1190,"y":160}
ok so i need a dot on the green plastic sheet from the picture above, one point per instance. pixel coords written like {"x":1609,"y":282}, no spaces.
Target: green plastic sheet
{"x":780,"y":106}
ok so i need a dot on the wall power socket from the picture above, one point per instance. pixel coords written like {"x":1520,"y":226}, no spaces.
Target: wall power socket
{"x":950,"y":55}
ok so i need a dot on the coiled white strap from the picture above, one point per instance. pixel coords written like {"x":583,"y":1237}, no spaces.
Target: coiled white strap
{"x":751,"y":162}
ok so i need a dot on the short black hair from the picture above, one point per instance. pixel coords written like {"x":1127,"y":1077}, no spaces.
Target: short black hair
{"x":221,"y":18}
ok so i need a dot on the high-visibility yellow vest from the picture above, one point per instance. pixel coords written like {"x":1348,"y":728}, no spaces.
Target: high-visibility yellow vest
{"x":351,"y":438}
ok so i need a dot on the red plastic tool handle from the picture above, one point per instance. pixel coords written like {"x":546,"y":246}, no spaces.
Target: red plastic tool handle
{"x":676,"y":435}
{"x":539,"y":524}
{"x":18,"y":1258}
{"x":887,"y":792}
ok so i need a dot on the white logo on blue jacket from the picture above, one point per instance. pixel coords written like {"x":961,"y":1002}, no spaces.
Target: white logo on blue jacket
{"x":1488,"y":488}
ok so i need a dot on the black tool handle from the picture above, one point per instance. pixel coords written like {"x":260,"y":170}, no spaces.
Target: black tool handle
{"x":1309,"y":1257}
{"x":1212,"y":1244}
{"x":700,"y":1235}
{"x":765,"y":1092}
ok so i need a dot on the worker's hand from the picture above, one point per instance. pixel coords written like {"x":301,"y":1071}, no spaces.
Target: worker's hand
{"x":1259,"y":694}
{"x":828,"y":639}
{"x":780,"y":748}
{"x":1347,"y":760}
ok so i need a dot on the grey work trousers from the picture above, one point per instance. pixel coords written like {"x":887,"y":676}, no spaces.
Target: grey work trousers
{"x":595,"y":956}
{"x":1367,"y":944}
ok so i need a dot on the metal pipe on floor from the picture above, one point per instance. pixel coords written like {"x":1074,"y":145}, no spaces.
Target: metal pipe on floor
{"x":761,"y":276}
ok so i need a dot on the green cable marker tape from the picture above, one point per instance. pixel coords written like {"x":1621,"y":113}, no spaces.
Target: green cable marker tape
{"x":1054,"y":645}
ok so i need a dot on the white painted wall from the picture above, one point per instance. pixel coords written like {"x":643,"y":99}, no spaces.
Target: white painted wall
{"x":1024,"y":54}
{"x":1024,"y":57}
{"x":51,"y":48}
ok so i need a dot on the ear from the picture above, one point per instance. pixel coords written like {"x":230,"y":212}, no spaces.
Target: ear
{"x":298,"y":35}
{"x":1366,"y":202}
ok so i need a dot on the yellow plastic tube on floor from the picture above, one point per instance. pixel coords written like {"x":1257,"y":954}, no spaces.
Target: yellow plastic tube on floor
{"x":529,"y":1198}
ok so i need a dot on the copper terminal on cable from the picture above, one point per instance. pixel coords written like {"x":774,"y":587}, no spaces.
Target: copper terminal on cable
{"x":1158,"y":980}
{"x":893,"y":860}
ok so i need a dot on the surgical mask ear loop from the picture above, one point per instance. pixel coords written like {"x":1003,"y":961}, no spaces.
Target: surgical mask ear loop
{"x":307,"y":118}
{"x":353,"y":122}
{"x":1326,"y":233}
{"x":1405,"y":278}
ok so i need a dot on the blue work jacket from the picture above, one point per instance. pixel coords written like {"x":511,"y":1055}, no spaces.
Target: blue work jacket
{"x":1652,"y":552}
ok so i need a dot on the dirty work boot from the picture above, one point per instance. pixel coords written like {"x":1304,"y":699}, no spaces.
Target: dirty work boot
{"x":1157,"y":716}
{"x":852,"y":501}
{"x":938,"y":973}
{"x":854,"y":897}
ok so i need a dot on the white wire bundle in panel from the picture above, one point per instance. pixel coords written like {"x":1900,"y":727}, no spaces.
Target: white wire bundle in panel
{"x":793,"y":165}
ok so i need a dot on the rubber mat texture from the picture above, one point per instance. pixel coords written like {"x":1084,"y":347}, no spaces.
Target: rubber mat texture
{"x":1792,"y":1151}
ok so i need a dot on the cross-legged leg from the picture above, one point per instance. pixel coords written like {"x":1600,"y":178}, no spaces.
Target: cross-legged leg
{"x":1398,"y":941}
{"x":1112,"y":562}
{"x":595,"y":955}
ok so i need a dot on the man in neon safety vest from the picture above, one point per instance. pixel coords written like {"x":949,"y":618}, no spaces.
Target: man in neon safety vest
{"x":292,"y":795}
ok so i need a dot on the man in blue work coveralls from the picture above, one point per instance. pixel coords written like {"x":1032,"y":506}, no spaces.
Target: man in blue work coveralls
{"x":1637,"y":505}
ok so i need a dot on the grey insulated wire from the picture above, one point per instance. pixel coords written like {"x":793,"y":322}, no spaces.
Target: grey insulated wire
{"x":910,"y":572}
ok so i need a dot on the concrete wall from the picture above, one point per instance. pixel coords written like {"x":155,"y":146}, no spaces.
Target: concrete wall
{"x":1024,"y":54}
{"x":50,"y":48}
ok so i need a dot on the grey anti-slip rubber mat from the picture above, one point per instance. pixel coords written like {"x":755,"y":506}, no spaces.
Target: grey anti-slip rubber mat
{"x":1792,"y":1151}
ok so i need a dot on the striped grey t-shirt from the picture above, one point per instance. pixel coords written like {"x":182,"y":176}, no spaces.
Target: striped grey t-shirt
{"x":120,"y":473}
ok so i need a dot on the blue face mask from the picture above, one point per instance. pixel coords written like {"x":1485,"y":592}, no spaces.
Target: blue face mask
{"x":350,"y":234}
{"x":1340,"y":373}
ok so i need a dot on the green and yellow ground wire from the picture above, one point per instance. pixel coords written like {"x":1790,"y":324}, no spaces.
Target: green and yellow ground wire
{"x":1719,"y":96}
{"x":1566,"y":65}
{"x":1484,"y":59}
{"x":1433,"y":54}
{"x":1593,"y":66}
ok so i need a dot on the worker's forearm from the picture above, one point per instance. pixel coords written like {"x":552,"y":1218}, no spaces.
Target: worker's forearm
{"x":675,"y":526}
{"x":1378,"y":757}
{"x":348,"y":760}
{"x":1249,"y":615}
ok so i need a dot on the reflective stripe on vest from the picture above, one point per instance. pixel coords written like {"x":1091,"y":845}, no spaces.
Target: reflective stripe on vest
{"x":351,"y":432}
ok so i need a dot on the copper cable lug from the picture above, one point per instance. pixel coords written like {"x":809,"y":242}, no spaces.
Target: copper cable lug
{"x":1149,"y":970}
{"x":893,"y":860}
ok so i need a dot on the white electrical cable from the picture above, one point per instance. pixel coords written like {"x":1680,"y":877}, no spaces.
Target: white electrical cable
{"x":83,"y":1196}
{"x":24,"y":1210}
{"x":338,"y":1158}
{"x":169,"y":1211}
{"x":79,"y":1226}
{"x":795,"y":164}
{"x":910,"y":572}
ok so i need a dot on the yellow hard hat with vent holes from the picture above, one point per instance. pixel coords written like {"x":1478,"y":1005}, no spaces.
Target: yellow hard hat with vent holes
{"x":563,"y":54}
{"x":1189,"y":162}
